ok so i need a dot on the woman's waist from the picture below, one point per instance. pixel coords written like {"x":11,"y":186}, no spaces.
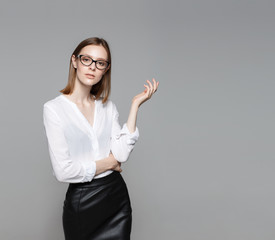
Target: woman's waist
{"x":104,"y":174}
{"x":99,"y":180}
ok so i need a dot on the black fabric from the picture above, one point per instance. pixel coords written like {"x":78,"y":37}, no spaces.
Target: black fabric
{"x":98,"y":210}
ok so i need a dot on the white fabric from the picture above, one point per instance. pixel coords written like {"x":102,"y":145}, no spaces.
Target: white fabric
{"x":74,"y":145}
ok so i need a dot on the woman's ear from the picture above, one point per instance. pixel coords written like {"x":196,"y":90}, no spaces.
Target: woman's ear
{"x":106,"y":70}
{"x":74,"y":61}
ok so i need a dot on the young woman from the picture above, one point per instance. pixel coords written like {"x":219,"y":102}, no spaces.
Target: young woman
{"x":87,"y":146}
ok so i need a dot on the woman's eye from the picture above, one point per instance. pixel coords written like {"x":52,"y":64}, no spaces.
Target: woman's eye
{"x":102,"y":63}
{"x":86,"y":59}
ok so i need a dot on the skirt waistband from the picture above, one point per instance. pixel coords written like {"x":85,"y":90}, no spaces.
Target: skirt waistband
{"x":98,"y":181}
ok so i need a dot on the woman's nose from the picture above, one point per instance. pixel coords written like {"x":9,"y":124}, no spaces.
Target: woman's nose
{"x":92,"y":66}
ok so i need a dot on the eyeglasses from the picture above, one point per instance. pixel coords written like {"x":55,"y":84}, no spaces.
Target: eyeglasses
{"x":88,"y":61}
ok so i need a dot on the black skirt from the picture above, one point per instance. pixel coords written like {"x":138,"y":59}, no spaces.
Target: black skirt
{"x":99,"y":209}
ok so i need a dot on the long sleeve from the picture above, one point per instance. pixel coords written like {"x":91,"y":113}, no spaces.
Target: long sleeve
{"x":66,"y":169}
{"x":122,"y":141}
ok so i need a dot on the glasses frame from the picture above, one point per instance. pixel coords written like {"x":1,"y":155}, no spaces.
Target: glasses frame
{"x":93,"y":61}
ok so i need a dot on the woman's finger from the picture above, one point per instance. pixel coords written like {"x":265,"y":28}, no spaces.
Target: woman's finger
{"x":155,"y":84}
{"x":147,"y":90}
{"x":118,"y":167}
{"x":150,"y":84}
{"x":151,"y":88}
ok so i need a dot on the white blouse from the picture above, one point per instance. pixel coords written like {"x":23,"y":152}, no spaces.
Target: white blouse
{"x":74,"y":145}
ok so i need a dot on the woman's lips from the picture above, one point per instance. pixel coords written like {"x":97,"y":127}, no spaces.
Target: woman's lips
{"x":90,"y":75}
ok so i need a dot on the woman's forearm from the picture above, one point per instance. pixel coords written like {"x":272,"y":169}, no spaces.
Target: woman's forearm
{"x":132,"y":118}
{"x":105,"y":164}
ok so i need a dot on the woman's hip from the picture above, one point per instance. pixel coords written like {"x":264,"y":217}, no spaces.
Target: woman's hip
{"x":91,"y":209}
{"x":102,"y":195}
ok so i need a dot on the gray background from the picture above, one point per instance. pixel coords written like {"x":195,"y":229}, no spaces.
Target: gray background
{"x":203,"y":168}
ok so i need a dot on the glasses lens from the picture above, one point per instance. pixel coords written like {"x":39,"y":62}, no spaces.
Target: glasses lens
{"x":101,"y":64}
{"x":86,"y":60}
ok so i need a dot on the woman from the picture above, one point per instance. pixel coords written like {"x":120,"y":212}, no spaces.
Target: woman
{"x":87,"y":146}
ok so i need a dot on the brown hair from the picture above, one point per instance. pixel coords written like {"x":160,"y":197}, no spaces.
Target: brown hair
{"x":103,"y":87}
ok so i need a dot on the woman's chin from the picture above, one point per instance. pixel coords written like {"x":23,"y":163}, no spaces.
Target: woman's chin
{"x":88,"y":83}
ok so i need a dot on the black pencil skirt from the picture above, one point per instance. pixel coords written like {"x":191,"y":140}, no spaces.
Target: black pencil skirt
{"x":98,"y":210}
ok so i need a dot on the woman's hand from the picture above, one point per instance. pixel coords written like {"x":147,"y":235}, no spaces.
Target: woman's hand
{"x":116,"y":166}
{"x":108,"y":163}
{"x":149,"y":90}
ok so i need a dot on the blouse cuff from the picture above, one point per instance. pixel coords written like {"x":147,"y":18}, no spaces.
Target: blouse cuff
{"x":90,"y":168}
{"x":131,"y":138}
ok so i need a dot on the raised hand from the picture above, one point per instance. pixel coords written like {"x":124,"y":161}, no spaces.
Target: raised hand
{"x":149,"y":90}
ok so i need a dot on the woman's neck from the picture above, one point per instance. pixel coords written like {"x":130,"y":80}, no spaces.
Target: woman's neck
{"x":81,"y":94}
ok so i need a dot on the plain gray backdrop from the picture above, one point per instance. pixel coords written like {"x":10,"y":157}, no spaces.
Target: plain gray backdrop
{"x":203,"y":168}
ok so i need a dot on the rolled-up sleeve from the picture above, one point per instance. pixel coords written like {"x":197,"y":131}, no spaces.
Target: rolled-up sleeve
{"x":65,"y":168}
{"x":122,"y":141}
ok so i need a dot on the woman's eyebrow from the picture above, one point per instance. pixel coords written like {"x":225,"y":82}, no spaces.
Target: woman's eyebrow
{"x":93,"y":58}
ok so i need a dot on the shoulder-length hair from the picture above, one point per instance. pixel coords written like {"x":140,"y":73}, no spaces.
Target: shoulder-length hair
{"x":103,"y":87}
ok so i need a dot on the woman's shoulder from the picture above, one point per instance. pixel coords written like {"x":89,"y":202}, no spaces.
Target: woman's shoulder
{"x":108,"y":104}
{"x":54,"y":103}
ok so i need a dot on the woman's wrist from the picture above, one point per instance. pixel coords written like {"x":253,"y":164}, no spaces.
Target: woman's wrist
{"x":135,"y":104}
{"x":105,"y":164}
{"x":112,"y":163}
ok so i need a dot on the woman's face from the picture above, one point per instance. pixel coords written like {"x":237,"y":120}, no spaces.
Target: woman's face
{"x":90,"y":75}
